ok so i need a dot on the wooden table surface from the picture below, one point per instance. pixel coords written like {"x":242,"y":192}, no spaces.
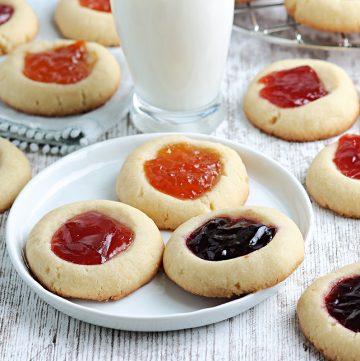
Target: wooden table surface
{"x":32,"y":330}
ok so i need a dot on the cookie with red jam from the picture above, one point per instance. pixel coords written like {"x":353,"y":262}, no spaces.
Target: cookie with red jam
{"x":15,"y":172}
{"x":175,"y":178}
{"x":329,"y":314}
{"x":58,"y":78}
{"x":333,"y":178}
{"x":232,"y":252}
{"x":18,"y":24}
{"x":89,"y":20}
{"x":98,"y":250}
{"x":302,"y":100}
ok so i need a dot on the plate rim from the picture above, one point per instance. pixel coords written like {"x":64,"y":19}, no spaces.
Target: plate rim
{"x":62,"y":303}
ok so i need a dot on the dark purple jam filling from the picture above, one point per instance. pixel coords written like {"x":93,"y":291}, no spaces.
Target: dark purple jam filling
{"x":343,"y":303}
{"x":221,"y":239}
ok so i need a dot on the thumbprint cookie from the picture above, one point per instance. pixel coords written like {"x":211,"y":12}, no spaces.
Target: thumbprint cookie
{"x":333,"y":178}
{"x":175,"y":178}
{"x":326,"y":15}
{"x":99,"y":250}
{"x":329,"y":314}
{"x":15,"y":172}
{"x":58,"y":78}
{"x":233,"y":251}
{"x":89,"y":20}
{"x":18,"y":24}
{"x":302,"y":100}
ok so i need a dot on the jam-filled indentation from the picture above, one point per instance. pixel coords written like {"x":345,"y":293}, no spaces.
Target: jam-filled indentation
{"x":99,"y":5}
{"x":343,"y":303}
{"x":91,"y":238}
{"x":292,"y":88}
{"x":6,"y":12}
{"x":347,"y":156}
{"x":67,"y":64}
{"x":224,"y":238}
{"x":184,"y":171}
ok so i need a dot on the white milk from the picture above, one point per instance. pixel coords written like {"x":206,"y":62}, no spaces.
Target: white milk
{"x":176,"y":49}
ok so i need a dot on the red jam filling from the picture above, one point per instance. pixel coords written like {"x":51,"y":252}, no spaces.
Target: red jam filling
{"x":292,"y":88}
{"x":347,"y":156}
{"x":6,"y":12}
{"x":343,"y":303}
{"x":63,"y":65}
{"x":223,"y":238}
{"x":184,"y":171}
{"x":99,"y":5}
{"x":91,"y":238}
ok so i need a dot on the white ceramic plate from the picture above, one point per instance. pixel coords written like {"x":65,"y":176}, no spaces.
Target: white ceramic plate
{"x":160,"y":305}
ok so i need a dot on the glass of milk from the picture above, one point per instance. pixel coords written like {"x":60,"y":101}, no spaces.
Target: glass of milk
{"x":176,"y":51}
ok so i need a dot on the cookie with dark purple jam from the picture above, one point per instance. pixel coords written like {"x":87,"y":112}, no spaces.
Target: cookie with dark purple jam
{"x":233,"y":252}
{"x":329,"y":314}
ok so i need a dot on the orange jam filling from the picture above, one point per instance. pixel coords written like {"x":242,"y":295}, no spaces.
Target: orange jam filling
{"x":63,"y":65}
{"x":184,"y":171}
{"x":99,"y":5}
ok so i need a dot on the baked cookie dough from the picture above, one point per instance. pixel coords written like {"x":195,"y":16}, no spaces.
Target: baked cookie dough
{"x":329,"y":186}
{"x":326,"y":318}
{"x":326,"y":15}
{"x":49,"y":97}
{"x":335,"y":109}
{"x":214,"y":256}
{"x":18,"y":24}
{"x":79,"y":22}
{"x":132,"y":265}
{"x":290,"y":6}
{"x":228,"y":186}
{"x":15,"y":172}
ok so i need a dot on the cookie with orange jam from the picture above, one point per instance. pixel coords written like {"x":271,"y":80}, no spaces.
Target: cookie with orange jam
{"x":99,"y":250}
{"x":18,"y":24}
{"x":175,"y":178}
{"x":302,"y":100}
{"x":58,"y":78}
{"x":89,"y":20}
{"x":333,"y":178}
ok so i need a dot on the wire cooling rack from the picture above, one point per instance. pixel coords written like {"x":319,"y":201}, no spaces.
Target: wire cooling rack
{"x":270,"y":21}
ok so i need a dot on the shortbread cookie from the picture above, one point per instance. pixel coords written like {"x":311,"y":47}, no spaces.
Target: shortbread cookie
{"x":18,"y":24}
{"x":15,"y":172}
{"x":87,"y":20}
{"x":58,"y":78}
{"x":326,"y":15}
{"x":99,"y":250}
{"x":290,"y":6}
{"x":329,"y":314}
{"x":302,"y":100}
{"x":333,"y":178}
{"x":233,"y":251}
{"x":175,"y":178}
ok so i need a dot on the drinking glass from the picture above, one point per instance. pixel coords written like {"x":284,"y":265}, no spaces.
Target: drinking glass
{"x":176,"y":51}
